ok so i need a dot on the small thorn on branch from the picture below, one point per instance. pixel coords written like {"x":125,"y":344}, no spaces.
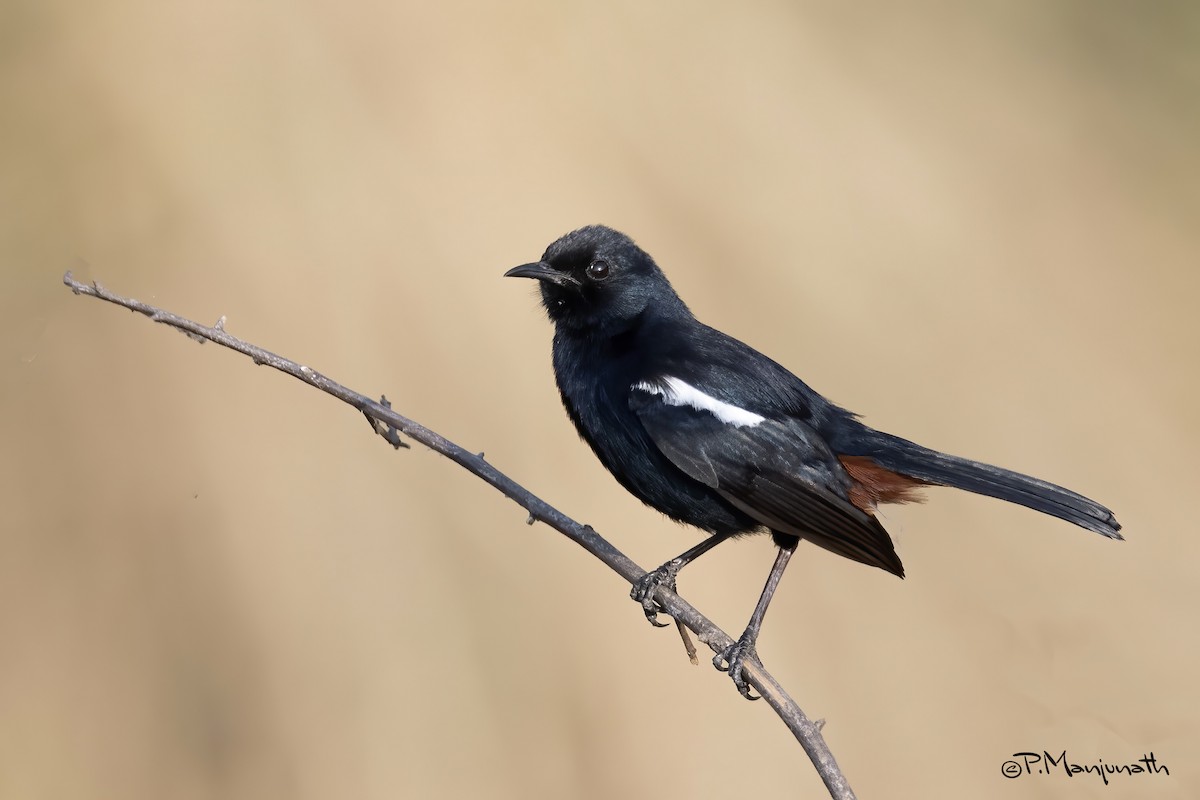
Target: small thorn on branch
{"x":389,"y":434}
{"x":688,"y":646}
{"x":195,"y":337}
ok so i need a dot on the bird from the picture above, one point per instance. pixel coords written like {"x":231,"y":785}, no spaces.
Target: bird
{"x":714,"y":434}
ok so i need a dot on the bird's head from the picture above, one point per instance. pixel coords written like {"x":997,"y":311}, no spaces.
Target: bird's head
{"x":596,"y":280}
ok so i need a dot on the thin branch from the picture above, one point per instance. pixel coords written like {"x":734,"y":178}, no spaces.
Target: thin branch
{"x":807,"y":732}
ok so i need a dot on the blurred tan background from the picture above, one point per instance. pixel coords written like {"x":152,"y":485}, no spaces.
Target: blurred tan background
{"x":980,"y":228}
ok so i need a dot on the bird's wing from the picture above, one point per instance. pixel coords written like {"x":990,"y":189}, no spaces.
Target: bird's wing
{"x":735,"y":372}
{"x":778,"y":471}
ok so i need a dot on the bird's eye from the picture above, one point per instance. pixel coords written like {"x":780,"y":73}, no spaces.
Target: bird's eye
{"x":598,"y":269}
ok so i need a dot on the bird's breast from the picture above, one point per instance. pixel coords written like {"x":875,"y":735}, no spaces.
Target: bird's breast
{"x":595,"y":390}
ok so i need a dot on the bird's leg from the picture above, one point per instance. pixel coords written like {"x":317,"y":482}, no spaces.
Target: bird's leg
{"x":643,"y":591}
{"x":733,"y":657}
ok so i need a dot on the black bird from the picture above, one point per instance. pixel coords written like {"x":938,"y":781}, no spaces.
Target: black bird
{"x":714,"y":434}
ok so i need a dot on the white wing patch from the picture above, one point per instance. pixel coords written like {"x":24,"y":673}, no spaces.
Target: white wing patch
{"x":681,"y":393}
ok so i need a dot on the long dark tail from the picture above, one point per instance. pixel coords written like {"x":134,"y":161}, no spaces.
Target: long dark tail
{"x":908,"y":458}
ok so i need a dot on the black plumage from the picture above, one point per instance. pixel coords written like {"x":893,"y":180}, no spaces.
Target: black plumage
{"x":714,"y":434}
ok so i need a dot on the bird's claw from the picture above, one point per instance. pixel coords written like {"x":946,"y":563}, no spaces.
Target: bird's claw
{"x":643,"y":592}
{"x":732,"y":659}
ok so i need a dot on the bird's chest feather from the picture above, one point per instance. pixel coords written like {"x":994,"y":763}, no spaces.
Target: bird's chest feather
{"x":595,"y":381}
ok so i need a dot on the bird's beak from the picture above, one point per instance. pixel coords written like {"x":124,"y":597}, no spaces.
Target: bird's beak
{"x":542,"y":271}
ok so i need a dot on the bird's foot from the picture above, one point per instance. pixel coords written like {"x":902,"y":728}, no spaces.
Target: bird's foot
{"x":643,"y":591}
{"x":732,"y":659}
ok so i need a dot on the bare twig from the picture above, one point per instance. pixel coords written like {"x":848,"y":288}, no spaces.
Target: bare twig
{"x":387,"y":422}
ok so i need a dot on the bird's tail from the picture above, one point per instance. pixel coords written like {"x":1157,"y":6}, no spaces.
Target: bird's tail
{"x":908,"y":458}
